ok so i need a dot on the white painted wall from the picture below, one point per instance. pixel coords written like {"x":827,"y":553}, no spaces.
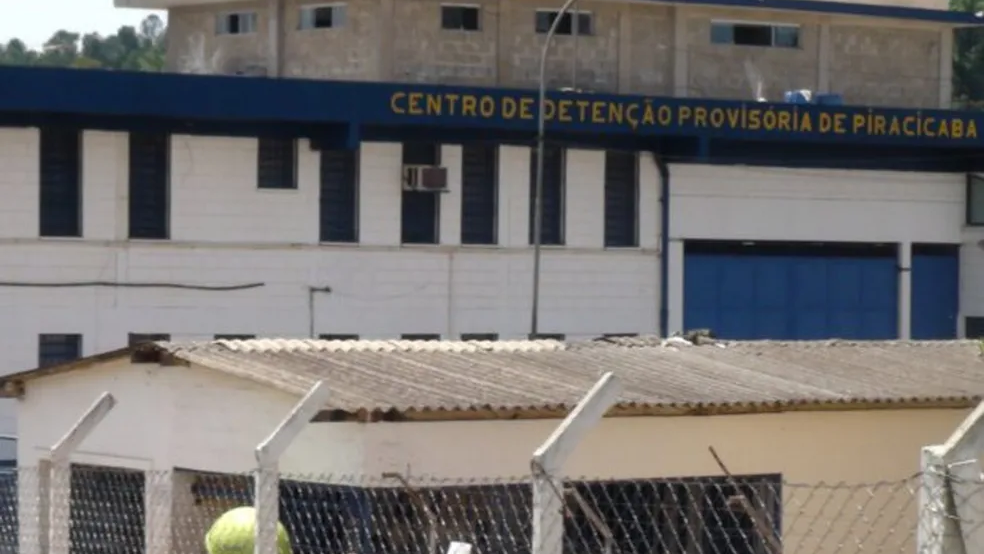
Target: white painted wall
{"x":770,"y":204}
{"x":225,"y":231}
{"x":176,"y":417}
{"x":761,"y":203}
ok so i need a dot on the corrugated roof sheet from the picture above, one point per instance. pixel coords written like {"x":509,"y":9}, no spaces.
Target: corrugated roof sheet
{"x":673,"y":375}
{"x":531,"y":378}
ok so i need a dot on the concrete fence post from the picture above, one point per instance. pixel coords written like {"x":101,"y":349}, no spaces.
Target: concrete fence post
{"x":268,"y":453}
{"x":951,"y":516}
{"x":549,"y":458}
{"x":60,"y":480}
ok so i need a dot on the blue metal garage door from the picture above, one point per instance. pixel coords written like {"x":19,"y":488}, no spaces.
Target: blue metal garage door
{"x":935,"y":291}
{"x":791,"y":291}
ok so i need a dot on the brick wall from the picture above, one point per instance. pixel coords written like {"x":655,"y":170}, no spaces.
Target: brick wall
{"x":634,"y":49}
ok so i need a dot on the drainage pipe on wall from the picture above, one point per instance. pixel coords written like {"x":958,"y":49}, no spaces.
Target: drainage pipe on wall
{"x":664,"y":243}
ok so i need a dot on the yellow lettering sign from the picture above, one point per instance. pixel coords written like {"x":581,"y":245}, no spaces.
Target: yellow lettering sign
{"x":636,"y":115}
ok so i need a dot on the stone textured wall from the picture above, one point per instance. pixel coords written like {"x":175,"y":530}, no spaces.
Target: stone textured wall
{"x":719,"y":70}
{"x":192,"y":40}
{"x":423,"y":52}
{"x":350,"y":52}
{"x":633,"y":49}
{"x":885,"y":67}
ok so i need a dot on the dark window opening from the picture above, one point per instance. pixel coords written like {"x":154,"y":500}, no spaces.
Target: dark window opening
{"x":236,"y":23}
{"x":149,"y":185}
{"x":544,"y":19}
{"x":480,"y":336}
{"x":974,"y":327}
{"x":61,"y":183}
{"x":322,"y":17}
{"x":548,"y":336}
{"x":552,"y":210}
{"x":750,"y":34}
{"x":339,"y":199}
{"x":277,"y":163}
{"x":460,"y":18}
{"x":479,"y":194}
{"x":420,"y":336}
{"x":54,"y":349}
{"x":235,"y":337}
{"x":141,"y":338}
{"x":621,"y":199}
{"x":337,"y":336}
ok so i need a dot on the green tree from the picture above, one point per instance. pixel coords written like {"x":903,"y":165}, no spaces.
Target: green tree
{"x":968,"y":57}
{"x":131,"y":48}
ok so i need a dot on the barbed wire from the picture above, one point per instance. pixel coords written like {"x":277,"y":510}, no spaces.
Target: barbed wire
{"x":114,"y":511}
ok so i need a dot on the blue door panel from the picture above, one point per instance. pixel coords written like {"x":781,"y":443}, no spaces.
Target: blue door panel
{"x":935,"y":293}
{"x":791,"y":297}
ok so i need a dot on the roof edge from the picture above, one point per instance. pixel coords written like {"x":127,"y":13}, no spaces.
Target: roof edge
{"x":12,"y":384}
{"x":833,"y":7}
{"x":655,"y":410}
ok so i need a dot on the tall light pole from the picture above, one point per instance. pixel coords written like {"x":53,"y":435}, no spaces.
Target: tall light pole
{"x":538,"y":191}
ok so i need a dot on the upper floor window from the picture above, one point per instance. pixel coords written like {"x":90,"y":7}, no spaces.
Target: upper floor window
{"x":460,"y":18}
{"x":277,"y":163}
{"x":235,"y":23}
{"x":755,"y":34}
{"x":545,"y":18}
{"x":324,"y":16}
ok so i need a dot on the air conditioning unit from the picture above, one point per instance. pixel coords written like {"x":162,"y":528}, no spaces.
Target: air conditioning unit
{"x":425,"y":178}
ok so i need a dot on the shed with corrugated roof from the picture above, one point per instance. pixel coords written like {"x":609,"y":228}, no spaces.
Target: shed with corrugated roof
{"x":780,"y":412}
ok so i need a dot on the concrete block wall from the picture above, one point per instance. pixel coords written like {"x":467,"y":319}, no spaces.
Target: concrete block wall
{"x":647,"y":49}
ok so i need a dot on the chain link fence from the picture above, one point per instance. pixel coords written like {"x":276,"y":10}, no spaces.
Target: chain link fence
{"x":115,"y":511}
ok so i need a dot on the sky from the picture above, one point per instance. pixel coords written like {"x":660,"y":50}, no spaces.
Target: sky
{"x":34,"y":21}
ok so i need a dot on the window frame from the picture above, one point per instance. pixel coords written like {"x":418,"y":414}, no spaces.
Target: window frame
{"x":222,"y":23}
{"x":338,"y":336}
{"x":562,"y":200}
{"x":462,"y":29}
{"x":52,"y":230}
{"x":773,"y":29}
{"x":496,"y":185}
{"x":135,"y":339}
{"x":357,"y":162}
{"x":972,"y":220}
{"x":342,"y":6}
{"x":559,"y":337}
{"x":74,"y":340}
{"x":168,"y":146}
{"x":420,"y":337}
{"x":293,"y":184}
{"x":571,"y":14}
{"x":637,"y":195}
{"x":479,"y":337}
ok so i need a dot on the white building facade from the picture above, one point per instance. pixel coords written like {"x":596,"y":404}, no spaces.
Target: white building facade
{"x":193,"y":207}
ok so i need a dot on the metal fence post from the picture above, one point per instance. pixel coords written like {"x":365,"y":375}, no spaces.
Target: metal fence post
{"x":548,"y":503}
{"x":268,"y":453}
